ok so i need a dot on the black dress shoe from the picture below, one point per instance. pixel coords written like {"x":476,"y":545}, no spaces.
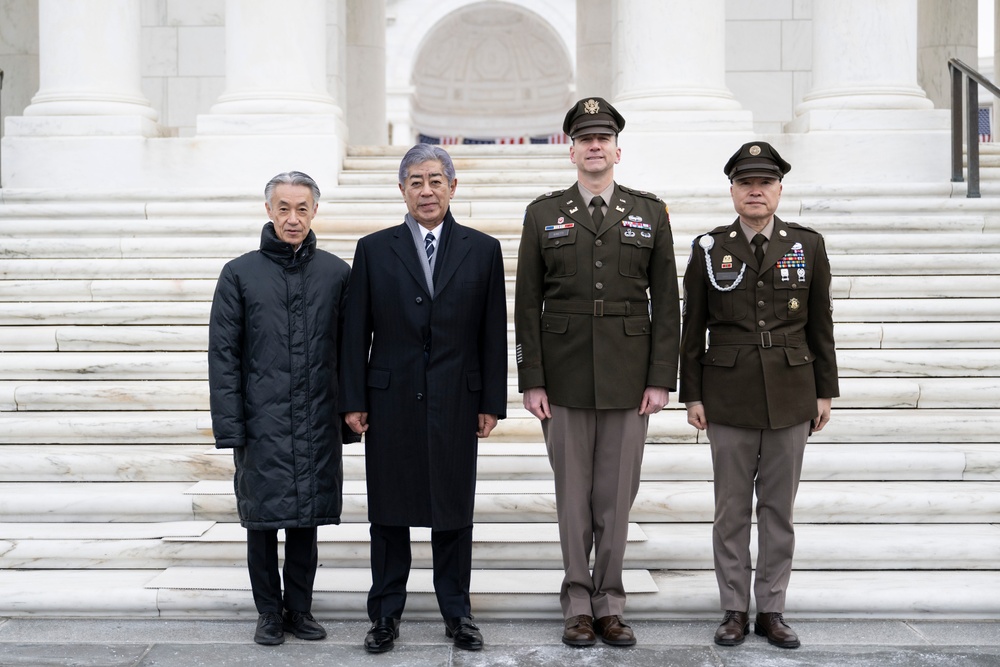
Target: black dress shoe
{"x":778,"y":632}
{"x":381,"y":635}
{"x":269,"y":629}
{"x":303,"y":625}
{"x":464,"y":632}
{"x":734,"y":628}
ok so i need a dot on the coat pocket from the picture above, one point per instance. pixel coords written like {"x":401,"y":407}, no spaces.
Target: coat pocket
{"x":723,"y":357}
{"x":799,"y":356}
{"x":637,"y":325}
{"x":474,"y":380}
{"x":378,"y":378}
{"x":554,"y":323}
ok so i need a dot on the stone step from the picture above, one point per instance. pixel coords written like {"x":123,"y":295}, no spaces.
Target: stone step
{"x":208,"y":268}
{"x":194,"y":338}
{"x":656,"y":546}
{"x":963,"y":362}
{"x":168,"y":395}
{"x":853,"y":502}
{"x":669,"y":426}
{"x":681,"y":594}
{"x":162,"y":289}
{"x":504,"y":461}
{"x":197,"y":312}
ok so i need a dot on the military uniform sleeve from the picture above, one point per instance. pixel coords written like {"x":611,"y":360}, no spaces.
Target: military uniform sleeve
{"x":528,"y":298}
{"x":662,"y":371}
{"x":225,"y":363}
{"x":819,"y":327}
{"x":695,"y":326}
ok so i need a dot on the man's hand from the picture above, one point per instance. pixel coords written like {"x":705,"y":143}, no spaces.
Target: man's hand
{"x":654,"y":399}
{"x":536,"y":401}
{"x":823,"y":407}
{"x":486,"y":424}
{"x":696,"y":417}
{"x":357,"y":421}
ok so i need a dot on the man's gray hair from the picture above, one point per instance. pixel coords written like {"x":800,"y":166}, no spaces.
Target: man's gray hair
{"x":291,"y":178}
{"x":422,"y":153}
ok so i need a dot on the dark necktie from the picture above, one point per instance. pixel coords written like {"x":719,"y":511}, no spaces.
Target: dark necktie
{"x":598,"y":214}
{"x":429,"y":245}
{"x":758,"y":249}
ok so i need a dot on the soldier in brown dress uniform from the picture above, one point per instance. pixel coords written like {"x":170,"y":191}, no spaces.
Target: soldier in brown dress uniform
{"x":597,"y":329}
{"x":760,"y":287}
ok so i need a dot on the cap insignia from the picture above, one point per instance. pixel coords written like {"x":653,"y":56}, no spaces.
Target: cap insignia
{"x":755,"y":150}
{"x":591,"y":106}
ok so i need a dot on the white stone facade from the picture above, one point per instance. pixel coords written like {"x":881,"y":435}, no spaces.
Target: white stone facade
{"x":693,"y":79}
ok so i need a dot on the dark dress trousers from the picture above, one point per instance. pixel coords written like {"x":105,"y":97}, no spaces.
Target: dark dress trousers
{"x":423,"y":366}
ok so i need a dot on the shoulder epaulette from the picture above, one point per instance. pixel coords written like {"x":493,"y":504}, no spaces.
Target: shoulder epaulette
{"x":640,"y":193}
{"x":802,"y":227}
{"x":547,"y":195}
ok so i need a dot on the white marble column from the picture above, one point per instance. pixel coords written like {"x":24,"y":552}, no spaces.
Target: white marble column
{"x":864,"y":57}
{"x":89,"y":77}
{"x":668,"y":68}
{"x":593,"y":48}
{"x":866,"y":119}
{"x":945,"y":29}
{"x":366,"y":117}
{"x":276,"y":59}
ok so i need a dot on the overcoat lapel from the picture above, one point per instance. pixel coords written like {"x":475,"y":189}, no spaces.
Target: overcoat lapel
{"x":402,"y":245}
{"x":619,"y":206}
{"x":456,"y":247}
{"x":735,"y":243}
{"x":572,"y":206}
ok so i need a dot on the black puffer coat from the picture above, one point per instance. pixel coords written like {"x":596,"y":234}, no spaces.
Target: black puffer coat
{"x":272,"y":367}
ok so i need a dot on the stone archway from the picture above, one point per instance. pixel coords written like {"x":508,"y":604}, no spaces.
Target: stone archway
{"x":491,"y":71}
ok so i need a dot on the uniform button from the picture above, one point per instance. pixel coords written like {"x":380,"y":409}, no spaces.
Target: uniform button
{"x":420,"y":397}
{"x":599,"y":285}
{"x":556,"y":243}
{"x":761,"y":323}
{"x":760,"y":304}
{"x":598,"y":263}
{"x":760,"y":283}
{"x":795,"y":286}
{"x":419,"y":300}
{"x":598,"y":242}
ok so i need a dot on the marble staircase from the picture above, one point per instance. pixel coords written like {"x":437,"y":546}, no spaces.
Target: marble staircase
{"x":113,"y":500}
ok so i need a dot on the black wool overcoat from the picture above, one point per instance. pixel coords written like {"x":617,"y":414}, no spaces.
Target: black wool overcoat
{"x":423,"y":367}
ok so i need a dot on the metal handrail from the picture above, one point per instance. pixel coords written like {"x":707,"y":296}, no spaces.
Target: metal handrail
{"x":957,"y":69}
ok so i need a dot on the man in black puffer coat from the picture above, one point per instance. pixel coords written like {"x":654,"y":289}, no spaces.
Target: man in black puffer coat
{"x":272,"y":366}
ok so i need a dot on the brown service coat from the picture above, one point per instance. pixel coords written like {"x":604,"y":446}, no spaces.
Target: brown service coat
{"x":748,"y":384}
{"x":583,"y":360}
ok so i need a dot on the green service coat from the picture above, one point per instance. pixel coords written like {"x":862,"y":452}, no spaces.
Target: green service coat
{"x":569,"y":273}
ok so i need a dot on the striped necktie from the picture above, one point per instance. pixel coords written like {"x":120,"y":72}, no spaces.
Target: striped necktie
{"x":429,"y":245}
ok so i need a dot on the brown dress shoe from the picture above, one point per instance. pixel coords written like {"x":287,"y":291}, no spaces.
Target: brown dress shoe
{"x":734,"y":629}
{"x":777,"y":631}
{"x":614,"y":631}
{"x":579,"y":631}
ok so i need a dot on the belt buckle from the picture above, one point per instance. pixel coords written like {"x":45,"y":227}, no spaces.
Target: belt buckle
{"x":598,"y":307}
{"x":765,"y":339}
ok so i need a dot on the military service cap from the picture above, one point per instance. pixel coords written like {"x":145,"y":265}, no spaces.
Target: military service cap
{"x":593,"y":116}
{"x":757,"y":158}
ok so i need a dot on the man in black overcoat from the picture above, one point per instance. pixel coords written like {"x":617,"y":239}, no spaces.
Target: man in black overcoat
{"x":423,"y":376}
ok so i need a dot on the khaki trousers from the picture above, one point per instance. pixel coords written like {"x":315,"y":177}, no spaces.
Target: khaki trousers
{"x":596,"y":458}
{"x":769,"y":462}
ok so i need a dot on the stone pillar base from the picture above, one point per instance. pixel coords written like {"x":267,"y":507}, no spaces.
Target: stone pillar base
{"x":210,"y":163}
{"x":82,"y":126}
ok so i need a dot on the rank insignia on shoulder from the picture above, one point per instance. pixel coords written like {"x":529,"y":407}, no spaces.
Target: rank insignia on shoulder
{"x":566,"y":225}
